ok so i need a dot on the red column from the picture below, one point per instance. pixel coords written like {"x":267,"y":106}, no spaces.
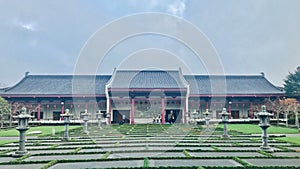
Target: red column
{"x":132,"y":111}
{"x":206,"y":106}
{"x":39,"y":112}
{"x":162,"y":110}
{"x":62,"y":111}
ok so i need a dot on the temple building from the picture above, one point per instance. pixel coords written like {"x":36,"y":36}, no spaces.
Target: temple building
{"x":138,"y":96}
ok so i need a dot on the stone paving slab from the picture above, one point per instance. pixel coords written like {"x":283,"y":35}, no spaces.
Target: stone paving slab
{"x":45,"y":140}
{"x":274,"y":162}
{"x":8,"y":148}
{"x":137,"y":141}
{"x":206,"y":144}
{"x":191,"y":162}
{"x":92,"y":150}
{"x":6,"y":159}
{"x":50,"y":151}
{"x":123,"y":148}
{"x":147,"y":154}
{"x":27,"y":147}
{"x":76,"y":146}
{"x":180,"y":148}
{"x":59,"y":157}
{"x":22,"y":166}
{"x":77,"y":142}
{"x":294,"y":148}
{"x":244,"y":148}
{"x":271,"y":144}
{"x":36,"y":147}
{"x":102,"y":164}
{"x":146,"y":143}
{"x":287,"y":154}
{"x":224,"y":154}
{"x":34,"y":144}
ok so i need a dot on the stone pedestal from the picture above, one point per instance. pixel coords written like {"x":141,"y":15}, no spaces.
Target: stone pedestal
{"x":207,"y":118}
{"x":264,"y":124}
{"x":67,"y":117}
{"x":22,"y":128}
{"x":85,"y":116}
{"x":225,"y":117}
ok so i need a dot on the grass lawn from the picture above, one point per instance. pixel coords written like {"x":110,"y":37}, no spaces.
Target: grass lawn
{"x":295,"y":140}
{"x":46,"y":130}
{"x":255,"y":129}
{"x":2,"y":142}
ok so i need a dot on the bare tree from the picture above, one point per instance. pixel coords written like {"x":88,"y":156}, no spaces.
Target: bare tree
{"x":17,"y":106}
{"x":275,"y":107}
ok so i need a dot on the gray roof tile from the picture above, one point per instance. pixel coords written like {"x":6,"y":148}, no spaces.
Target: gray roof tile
{"x":242,"y":84}
{"x":88,"y":84}
{"x":60,"y":84}
{"x":147,"y":79}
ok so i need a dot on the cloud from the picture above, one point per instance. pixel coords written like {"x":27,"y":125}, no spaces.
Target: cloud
{"x":28,"y":26}
{"x":177,"y":8}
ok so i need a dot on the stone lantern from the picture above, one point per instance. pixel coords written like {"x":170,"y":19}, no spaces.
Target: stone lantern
{"x":66,"y":116}
{"x":99,"y":118}
{"x":264,"y":123}
{"x":23,"y":119}
{"x":225,"y":120}
{"x":206,"y":115}
{"x":85,"y":120}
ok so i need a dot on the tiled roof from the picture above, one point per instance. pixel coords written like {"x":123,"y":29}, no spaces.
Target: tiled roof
{"x":2,"y":90}
{"x":150,"y":79}
{"x":242,"y":84}
{"x":60,"y":84}
{"x":89,"y":85}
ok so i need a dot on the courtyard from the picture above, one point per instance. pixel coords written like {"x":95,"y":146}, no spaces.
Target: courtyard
{"x":151,"y":146}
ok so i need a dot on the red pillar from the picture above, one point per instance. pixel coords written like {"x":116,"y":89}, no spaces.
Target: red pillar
{"x":206,"y":106}
{"x":132,"y":111}
{"x":162,"y":110}
{"x":62,"y":110}
{"x":251,"y":110}
{"x":39,"y":112}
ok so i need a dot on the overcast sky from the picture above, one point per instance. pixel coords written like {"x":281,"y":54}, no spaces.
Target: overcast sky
{"x":46,"y":36}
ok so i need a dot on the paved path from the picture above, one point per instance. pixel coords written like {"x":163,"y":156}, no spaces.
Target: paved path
{"x":17,"y":138}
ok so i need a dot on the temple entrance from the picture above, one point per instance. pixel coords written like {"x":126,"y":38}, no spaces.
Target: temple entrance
{"x":56,"y":115}
{"x":235,"y":114}
{"x":118,"y":115}
{"x":173,"y":116}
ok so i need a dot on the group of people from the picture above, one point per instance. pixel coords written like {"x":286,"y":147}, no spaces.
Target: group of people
{"x":157,"y":119}
{"x":170,"y":118}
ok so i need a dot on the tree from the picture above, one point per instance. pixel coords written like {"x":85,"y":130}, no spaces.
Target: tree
{"x":17,"y":106}
{"x":274,"y":106}
{"x":5,"y":109}
{"x":292,"y":84}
